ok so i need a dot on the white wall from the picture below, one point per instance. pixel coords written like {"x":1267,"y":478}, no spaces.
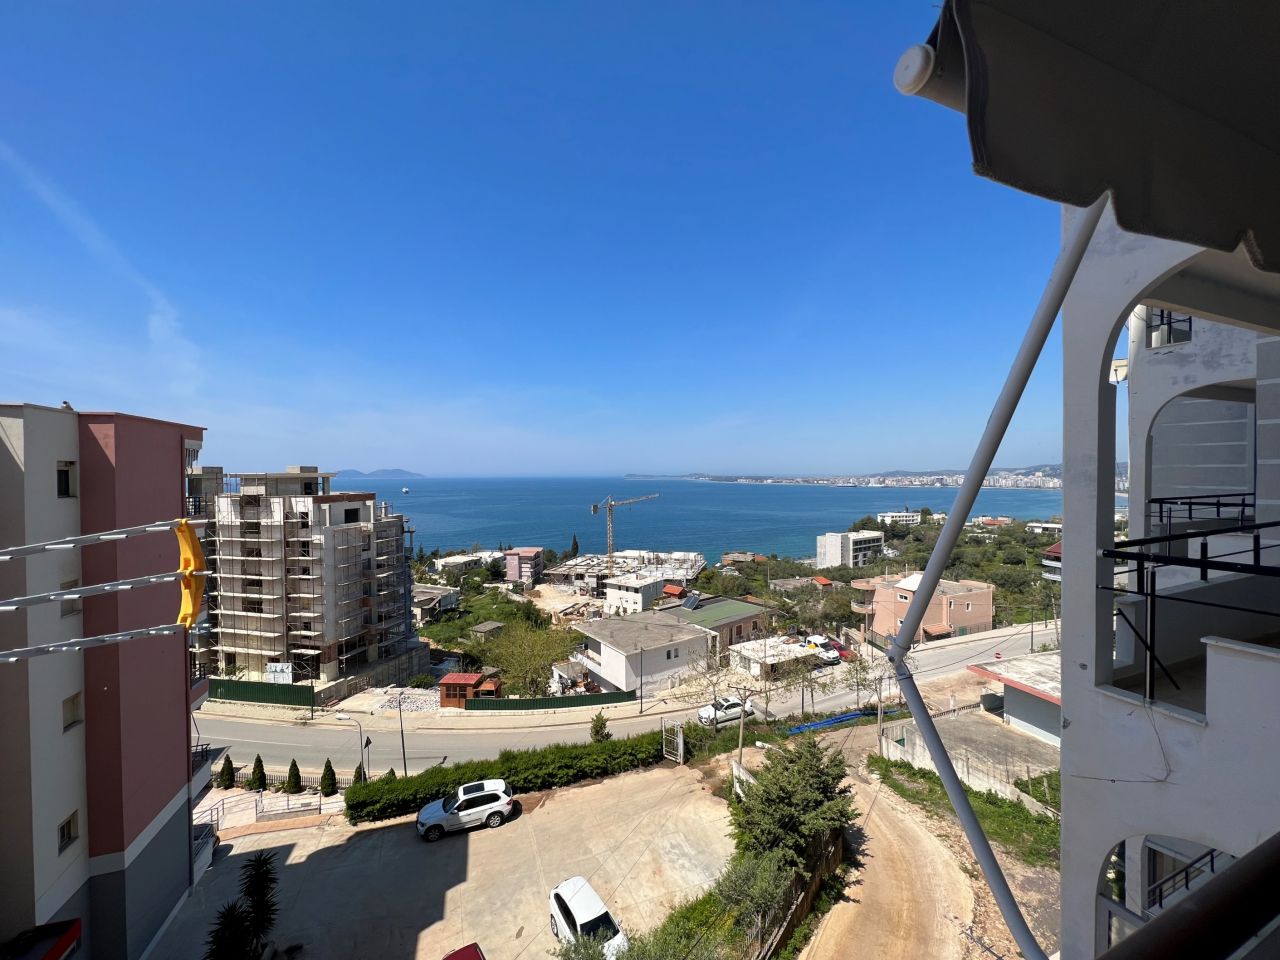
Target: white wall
{"x":1033,"y":715}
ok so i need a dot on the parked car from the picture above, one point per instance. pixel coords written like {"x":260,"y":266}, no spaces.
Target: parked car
{"x":822,"y":649}
{"x":724,"y":710}
{"x":487,"y":802}
{"x":578,"y":913}
{"x":844,"y":652}
{"x":471,"y":951}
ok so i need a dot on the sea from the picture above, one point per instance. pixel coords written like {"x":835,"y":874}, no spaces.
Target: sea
{"x":706,"y":516}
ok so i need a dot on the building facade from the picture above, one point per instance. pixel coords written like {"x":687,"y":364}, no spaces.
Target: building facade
{"x":958,"y":607}
{"x":1161,"y":774}
{"x":523,"y":565}
{"x":849,"y":549}
{"x":907,"y":518}
{"x":306,"y":577}
{"x":96,"y":797}
{"x":646,"y":652}
{"x":631,"y":593}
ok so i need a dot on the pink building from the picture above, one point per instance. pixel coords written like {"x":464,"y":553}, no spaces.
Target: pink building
{"x":524,"y":564}
{"x":957,"y":608}
{"x":96,"y":829}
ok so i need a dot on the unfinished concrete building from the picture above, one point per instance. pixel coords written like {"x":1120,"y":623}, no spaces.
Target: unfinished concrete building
{"x":309,"y":583}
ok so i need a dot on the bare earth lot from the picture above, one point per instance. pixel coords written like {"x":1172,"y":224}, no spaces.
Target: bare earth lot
{"x":646,"y":841}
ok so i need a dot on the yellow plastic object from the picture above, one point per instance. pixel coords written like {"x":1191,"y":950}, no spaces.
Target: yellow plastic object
{"x":192,"y":558}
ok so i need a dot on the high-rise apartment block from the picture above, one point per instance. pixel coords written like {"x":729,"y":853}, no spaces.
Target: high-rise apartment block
{"x":852,"y":549}
{"x":306,"y":578}
{"x":95,"y":799}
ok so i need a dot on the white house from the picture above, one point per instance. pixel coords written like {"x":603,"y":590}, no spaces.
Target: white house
{"x":848,"y":549}
{"x":906,"y":518}
{"x":631,"y":593}
{"x":645,"y":651}
{"x":762,"y":657}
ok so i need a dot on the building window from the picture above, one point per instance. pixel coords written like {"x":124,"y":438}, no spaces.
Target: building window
{"x":951,"y":604}
{"x":899,"y":621}
{"x":252,"y":606}
{"x":968,"y":607}
{"x":68,"y":831}
{"x":676,"y":653}
{"x":71,"y":606}
{"x":67,"y":486}
{"x":904,"y":598}
{"x":351,"y":515}
{"x":668,"y":654}
{"x":72,"y":712}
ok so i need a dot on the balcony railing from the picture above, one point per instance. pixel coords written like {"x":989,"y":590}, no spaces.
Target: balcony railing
{"x":1208,"y":506}
{"x":1182,"y":879}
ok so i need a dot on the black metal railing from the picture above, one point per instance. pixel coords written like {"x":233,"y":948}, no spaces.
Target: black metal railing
{"x":1147,"y":564}
{"x":199,"y":755}
{"x":1182,"y":878}
{"x":1164,"y":327}
{"x":1208,"y":506}
{"x":199,"y":673}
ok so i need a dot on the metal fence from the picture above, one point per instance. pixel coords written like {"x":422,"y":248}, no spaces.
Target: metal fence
{"x":549,"y":703}
{"x":310,"y":781}
{"x":253,"y":691}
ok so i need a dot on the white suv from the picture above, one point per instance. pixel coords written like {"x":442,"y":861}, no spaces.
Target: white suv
{"x":578,"y":913}
{"x":724,"y":710}
{"x":487,"y":802}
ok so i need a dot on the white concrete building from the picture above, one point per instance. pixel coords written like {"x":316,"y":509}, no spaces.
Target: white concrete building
{"x":306,"y":577}
{"x":1169,"y":711}
{"x":850,"y":548}
{"x":631,"y":593}
{"x":906,"y":518}
{"x":647,"y":651}
{"x":762,"y":657}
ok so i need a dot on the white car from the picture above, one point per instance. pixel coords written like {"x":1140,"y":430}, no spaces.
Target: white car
{"x":823,"y":650}
{"x":723,"y":710}
{"x":578,"y":913}
{"x":487,"y":802}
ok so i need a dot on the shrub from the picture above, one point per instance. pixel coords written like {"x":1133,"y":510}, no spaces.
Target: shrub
{"x":525,"y":771}
{"x":227,"y":774}
{"x":358,"y":776}
{"x":423,"y":681}
{"x":390,"y":774}
{"x":600,"y":728}
{"x":258,"y":778}
{"x":292,"y":781}
{"x":328,"y":780}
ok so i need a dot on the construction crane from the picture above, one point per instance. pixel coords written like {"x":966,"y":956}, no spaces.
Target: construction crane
{"x":608,"y":503}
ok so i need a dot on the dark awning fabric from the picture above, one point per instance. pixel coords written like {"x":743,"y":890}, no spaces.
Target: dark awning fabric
{"x":1172,"y":105}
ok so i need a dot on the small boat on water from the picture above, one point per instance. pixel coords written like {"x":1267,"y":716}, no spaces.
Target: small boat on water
{"x":404,"y":489}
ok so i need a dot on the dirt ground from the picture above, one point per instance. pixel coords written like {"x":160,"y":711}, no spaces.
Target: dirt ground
{"x":916,"y":890}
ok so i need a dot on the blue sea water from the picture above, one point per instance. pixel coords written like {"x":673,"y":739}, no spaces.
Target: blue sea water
{"x":699,"y":515}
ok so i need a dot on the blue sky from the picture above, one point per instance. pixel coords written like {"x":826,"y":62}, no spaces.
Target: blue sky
{"x":491,"y":238}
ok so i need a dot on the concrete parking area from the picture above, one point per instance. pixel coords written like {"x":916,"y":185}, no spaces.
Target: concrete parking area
{"x":646,"y":840}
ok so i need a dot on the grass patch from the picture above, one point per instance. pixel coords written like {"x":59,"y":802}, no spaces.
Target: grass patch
{"x":452,"y":631}
{"x":1032,"y":839}
{"x":1047,"y":788}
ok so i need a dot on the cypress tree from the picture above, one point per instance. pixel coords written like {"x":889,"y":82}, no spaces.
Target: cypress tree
{"x":391,"y":774}
{"x":573,"y":547}
{"x":358,"y":776}
{"x":293,"y":782}
{"x":227,"y":774}
{"x":258,"y":778}
{"x":328,"y":780}
{"x":600,"y":728}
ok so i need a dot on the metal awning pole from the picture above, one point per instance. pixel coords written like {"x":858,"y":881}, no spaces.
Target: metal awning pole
{"x":1055,"y":291}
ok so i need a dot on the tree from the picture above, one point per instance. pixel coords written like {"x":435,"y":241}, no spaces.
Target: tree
{"x":524,"y":655}
{"x":549,"y":557}
{"x":497,"y":569}
{"x":573,"y":547}
{"x":227,"y":774}
{"x":358,"y":776}
{"x":258,"y":894}
{"x":704,"y":677}
{"x":798,"y":796}
{"x":755,"y":888}
{"x":600,"y":728}
{"x":258,"y":777}
{"x":328,"y":780}
{"x":231,"y":937}
{"x":390,"y":774}
{"x":293,"y":780}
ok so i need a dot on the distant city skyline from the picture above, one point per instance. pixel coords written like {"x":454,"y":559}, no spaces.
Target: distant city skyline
{"x":508,"y":240}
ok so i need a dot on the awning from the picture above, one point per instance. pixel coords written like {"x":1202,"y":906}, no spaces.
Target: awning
{"x":1170,"y":106}
{"x":937,"y":630}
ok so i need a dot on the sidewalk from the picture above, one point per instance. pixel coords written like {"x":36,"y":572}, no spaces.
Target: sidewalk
{"x":1050,"y":628}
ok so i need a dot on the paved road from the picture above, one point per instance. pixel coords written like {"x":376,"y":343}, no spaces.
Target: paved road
{"x":278,"y":743}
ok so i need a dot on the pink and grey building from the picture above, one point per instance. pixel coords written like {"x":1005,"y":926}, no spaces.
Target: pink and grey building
{"x":96,"y":828}
{"x":524,"y":564}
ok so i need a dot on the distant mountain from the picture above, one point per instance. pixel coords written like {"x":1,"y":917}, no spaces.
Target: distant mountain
{"x":384,"y":474}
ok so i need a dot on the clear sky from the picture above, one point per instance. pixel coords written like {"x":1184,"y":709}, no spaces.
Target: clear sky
{"x":511,"y":238}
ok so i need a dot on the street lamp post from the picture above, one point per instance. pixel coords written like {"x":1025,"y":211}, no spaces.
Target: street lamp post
{"x":404,"y":757}
{"x":361,"y":742}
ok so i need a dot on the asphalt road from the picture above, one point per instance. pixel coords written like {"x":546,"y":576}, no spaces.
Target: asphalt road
{"x":278,"y":743}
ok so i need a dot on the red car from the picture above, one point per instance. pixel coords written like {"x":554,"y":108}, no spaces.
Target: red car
{"x":471,"y":951}
{"x":840,"y":648}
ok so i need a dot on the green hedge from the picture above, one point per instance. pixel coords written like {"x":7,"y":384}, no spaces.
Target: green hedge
{"x":524,"y":770}
{"x":549,"y":703}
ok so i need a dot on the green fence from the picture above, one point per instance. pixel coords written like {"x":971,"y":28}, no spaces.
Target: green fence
{"x":251,"y":691}
{"x":549,"y":703}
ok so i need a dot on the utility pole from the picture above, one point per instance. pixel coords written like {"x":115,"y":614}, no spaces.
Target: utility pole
{"x":404,"y":756}
{"x":879,"y":716}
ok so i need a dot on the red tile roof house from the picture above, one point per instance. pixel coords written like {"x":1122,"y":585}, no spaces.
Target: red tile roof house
{"x":823,"y":583}
{"x":457,"y":688}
